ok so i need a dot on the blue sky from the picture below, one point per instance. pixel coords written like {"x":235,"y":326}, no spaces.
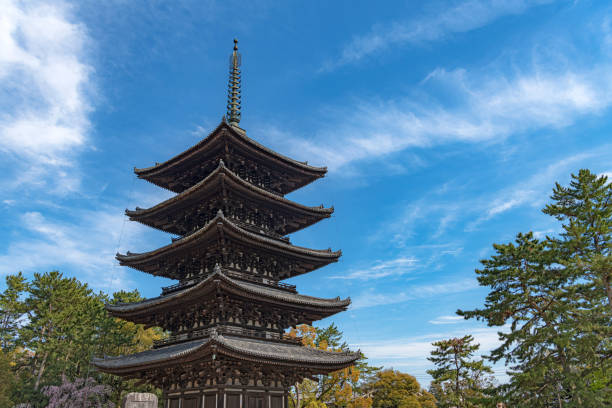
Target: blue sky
{"x":444,"y":126}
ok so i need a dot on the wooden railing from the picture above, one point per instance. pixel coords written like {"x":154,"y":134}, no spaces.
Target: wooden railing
{"x":230,"y":330}
{"x":232,"y":274}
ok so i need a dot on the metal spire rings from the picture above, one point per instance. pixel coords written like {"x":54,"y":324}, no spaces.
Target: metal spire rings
{"x":233,"y":88}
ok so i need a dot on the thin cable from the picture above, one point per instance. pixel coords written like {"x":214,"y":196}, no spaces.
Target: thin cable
{"x":125,"y":218}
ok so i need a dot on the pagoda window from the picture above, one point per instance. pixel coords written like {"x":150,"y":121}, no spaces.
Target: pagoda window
{"x":242,"y":172}
{"x":266,"y":181}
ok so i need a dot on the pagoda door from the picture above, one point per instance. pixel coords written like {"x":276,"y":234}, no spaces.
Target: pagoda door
{"x":256,"y":402}
{"x":233,"y":400}
{"x":190,"y":403}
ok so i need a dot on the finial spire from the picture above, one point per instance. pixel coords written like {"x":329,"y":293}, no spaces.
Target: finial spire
{"x":233,"y":88}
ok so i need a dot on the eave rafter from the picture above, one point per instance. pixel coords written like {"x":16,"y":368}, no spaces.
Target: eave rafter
{"x":216,"y":187}
{"x":241,"y":349}
{"x":218,"y":284}
{"x":223,"y":231}
{"x":290,"y":174}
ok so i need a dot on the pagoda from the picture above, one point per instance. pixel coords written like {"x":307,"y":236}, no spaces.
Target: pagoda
{"x":229,"y":311}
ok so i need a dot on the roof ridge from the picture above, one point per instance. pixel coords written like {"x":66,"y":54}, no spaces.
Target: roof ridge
{"x":224,"y":124}
{"x":221,"y":219}
{"x":222,"y":169}
{"x":252,"y":288}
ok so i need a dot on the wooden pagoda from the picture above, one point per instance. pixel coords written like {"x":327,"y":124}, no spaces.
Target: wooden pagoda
{"x":229,"y":310}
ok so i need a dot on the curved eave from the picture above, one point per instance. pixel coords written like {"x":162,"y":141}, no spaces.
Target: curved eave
{"x":326,"y":307}
{"x":215,"y":178}
{"x":302,"y":167}
{"x":229,"y":229}
{"x":258,"y":351}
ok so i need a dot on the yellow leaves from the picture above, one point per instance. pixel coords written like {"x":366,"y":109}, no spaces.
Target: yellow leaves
{"x":335,"y":388}
{"x":307,"y":333}
{"x":345,"y":393}
{"x":360,"y":402}
{"x":355,"y":373}
{"x":315,"y":404}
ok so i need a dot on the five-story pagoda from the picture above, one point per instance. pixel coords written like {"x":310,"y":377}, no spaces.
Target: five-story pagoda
{"x":229,"y":311}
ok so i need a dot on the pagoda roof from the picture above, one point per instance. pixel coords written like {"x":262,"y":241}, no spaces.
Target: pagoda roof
{"x":221,"y":227}
{"x":160,"y":173}
{"x":139,"y":311}
{"x":242,"y":348}
{"x":217,"y":181}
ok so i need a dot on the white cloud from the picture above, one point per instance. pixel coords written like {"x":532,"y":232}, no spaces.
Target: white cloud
{"x":492,"y":107}
{"x":608,"y":174}
{"x":447,"y":320}
{"x":533,"y":191}
{"x":395,"y":267}
{"x":44,"y":85}
{"x":411,"y":353}
{"x":86,"y":245}
{"x":372,"y":299}
{"x":430,"y":214}
{"x":439,"y":24}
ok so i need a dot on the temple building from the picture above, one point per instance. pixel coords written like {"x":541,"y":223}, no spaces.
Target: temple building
{"x":229,"y":311}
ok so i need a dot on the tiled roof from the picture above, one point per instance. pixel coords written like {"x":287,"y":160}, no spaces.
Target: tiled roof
{"x":238,"y":347}
{"x":310,"y":172}
{"x":208,"y":284}
{"x":322,"y":257}
{"x":195,"y":193}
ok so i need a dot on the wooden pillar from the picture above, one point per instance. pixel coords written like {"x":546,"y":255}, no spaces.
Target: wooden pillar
{"x":221,"y":397}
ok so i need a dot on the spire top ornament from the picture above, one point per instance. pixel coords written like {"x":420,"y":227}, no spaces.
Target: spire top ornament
{"x":233,"y":87}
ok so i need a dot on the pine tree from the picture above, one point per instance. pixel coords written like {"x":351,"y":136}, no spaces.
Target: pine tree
{"x":463,"y":378}
{"x":11,"y":310}
{"x":585,"y":208}
{"x":554,"y":295}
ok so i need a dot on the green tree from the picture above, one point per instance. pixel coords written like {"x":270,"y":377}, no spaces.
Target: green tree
{"x":394,"y":389}
{"x":462,"y":379}
{"x":60,"y":333}
{"x":585,"y":209}
{"x":11,"y":310}
{"x":118,"y":337}
{"x":554,"y":296}
{"x":7,"y":381}
{"x":64,"y":325}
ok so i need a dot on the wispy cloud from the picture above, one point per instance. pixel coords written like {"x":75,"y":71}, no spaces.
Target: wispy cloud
{"x":410,"y":354}
{"x":437,"y":213}
{"x":533,"y":191}
{"x":372,"y":298}
{"x":437,"y":25}
{"x":447,"y":320}
{"x":493,"y":106}
{"x":86,"y":244}
{"x":420,"y":346}
{"x":395,"y":267}
{"x":44,"y":85}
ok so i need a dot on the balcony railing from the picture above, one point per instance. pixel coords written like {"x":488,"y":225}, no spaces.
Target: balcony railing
{"x":230,"y":330}
{"x":232,"y":274}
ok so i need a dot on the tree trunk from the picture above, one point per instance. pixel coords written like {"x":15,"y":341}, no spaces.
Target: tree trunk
{"x":297,"y":396}
{"x":41,"y":370}
{"x":66,"y":358}
{"x":457,"y":379}
{"x":608,"y":290}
